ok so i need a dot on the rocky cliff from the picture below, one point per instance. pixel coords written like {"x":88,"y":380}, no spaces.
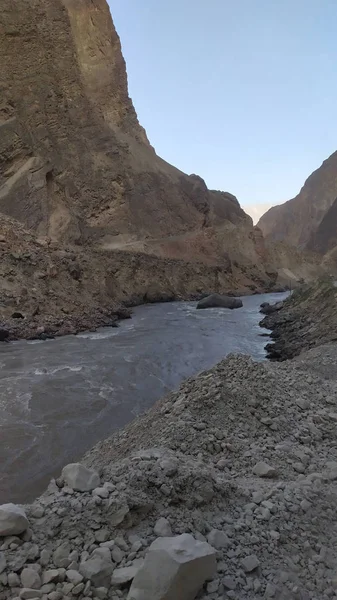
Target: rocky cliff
{"x":306,"y":221}
{"x":75,"y":164}
{"x":78,"y":177}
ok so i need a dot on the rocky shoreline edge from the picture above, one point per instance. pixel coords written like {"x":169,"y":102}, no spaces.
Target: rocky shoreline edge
{"x":304,"y":320}
{"x":224,"y":489}
{"x":50,"y":327}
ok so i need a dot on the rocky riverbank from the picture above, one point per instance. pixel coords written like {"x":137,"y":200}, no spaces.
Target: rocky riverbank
{"x":242,"y":459}
{"x":50,"y":289}
{"x":306,"y":319}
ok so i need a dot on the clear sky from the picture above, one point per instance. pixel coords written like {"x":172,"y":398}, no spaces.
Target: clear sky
{"x":241,"y":92}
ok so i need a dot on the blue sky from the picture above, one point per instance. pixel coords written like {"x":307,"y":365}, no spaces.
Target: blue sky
{"x":241,"y":92}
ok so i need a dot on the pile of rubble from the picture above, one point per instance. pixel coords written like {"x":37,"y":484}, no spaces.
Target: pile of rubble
{"x":224,"y":489}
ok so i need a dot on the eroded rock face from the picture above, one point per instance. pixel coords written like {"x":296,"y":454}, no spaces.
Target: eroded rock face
{"x":74,"y":162}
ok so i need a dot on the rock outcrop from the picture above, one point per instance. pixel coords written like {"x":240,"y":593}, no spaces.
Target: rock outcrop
{"x":307,"y":221}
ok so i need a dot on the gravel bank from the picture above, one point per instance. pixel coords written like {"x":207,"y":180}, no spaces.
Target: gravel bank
{"x":244,"y":456}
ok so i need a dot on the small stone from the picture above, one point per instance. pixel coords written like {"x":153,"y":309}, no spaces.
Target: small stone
{"x":50,"y":575}
{"x":79,"y":478}
{"x":55,"y":595}
{"x":77,"y":589}
{"x":213,"y":586}
{"x":257,"y":497}
{"x":305,"y":505}
{"x":299,"y":467}
{"x":74,"y":576}
{"x":229,"y":583}
{"x":117,"y":514}
{"x":30,"y":579}
{"x":218,"y":539}
{"x":102,"y":535}
{"x":250,"y":563}
{"x":270,"y":591}
{"x":126,"y":574}
{"x":169,"y":466}
{"x":47,"y":588}
{"x":117,"y":554}
{"x":102,"y":492}
{"x":28,"y":594}
{"x":136,"y":546}
{"x":61,"y":556}
{"x":13,"y":580}
{"x":98,"y":567}
{"x":262,"y":469}
{"x":37,"y":512}
{"x":121,"y":543}
{"x":162,"y":528}
{"x":101,"y":593}
{"x":3,"y":562}
{"x":44,"y":557}
{"x":302,"y":403}
{"x":13,"y":520}
{"x":257,"y":585}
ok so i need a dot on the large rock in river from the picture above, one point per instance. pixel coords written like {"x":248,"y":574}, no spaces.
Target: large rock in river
{"x":268,"y":309}
{"x":221,"y":301}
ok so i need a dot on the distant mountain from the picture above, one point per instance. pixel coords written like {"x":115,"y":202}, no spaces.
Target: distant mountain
{"x":309,"y":220}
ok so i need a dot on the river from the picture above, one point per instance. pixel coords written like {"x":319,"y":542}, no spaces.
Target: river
{"x":59,"y":397}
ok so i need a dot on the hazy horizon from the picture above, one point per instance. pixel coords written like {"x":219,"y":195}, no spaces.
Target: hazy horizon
{"x":240,"y":93}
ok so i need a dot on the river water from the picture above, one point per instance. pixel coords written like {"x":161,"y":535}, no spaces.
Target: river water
{"x":59,"y":397}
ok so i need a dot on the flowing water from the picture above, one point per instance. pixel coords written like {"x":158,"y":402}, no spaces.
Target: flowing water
{"x":59,"y":397}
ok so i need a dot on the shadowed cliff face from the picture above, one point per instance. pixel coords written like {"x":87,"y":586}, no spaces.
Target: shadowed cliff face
{"x":75,"y":164}
{"x":303,"y":222}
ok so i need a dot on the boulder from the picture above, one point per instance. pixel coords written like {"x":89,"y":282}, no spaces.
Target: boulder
{"x":216,"y":300}
{"x":175,"y":568}
{"x":98,"y":567}
{"x":13,"y":520}
{"x":80,"y":478}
